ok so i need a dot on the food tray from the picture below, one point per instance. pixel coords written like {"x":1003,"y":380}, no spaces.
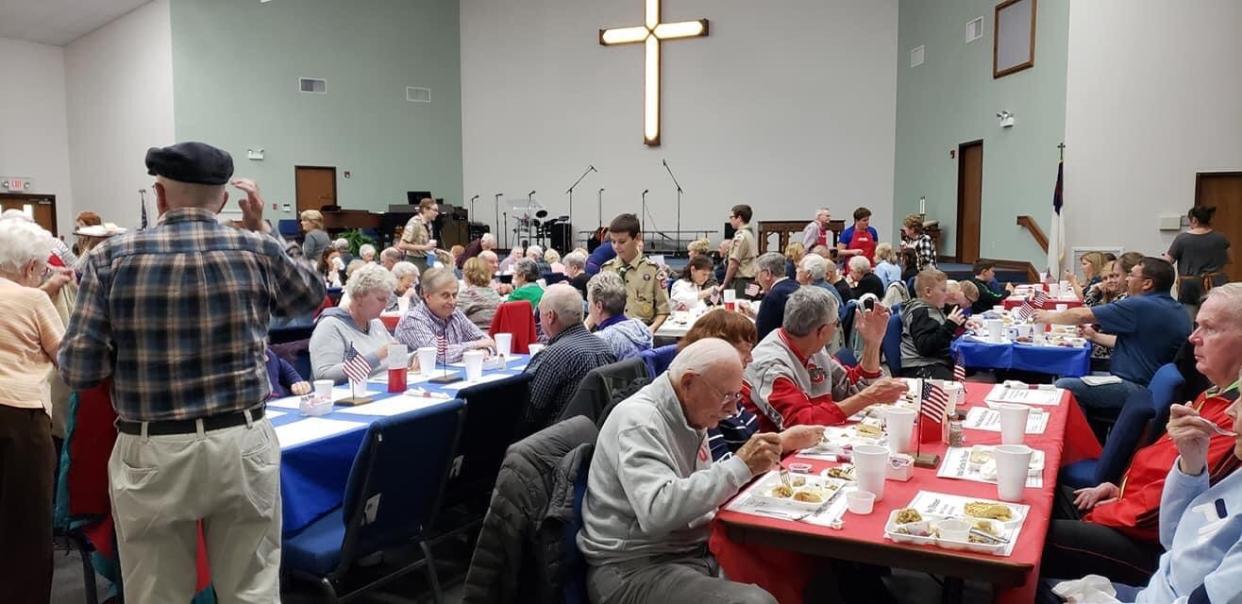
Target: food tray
{"x":892,"y":532}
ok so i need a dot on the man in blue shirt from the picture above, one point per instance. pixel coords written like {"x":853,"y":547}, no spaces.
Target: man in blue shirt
{"x":1145,"y":330}
{"x":776,"y":291}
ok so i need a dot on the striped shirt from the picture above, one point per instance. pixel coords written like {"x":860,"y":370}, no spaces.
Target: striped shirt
{"x":177,"y":315}
{"x":420,"y":327}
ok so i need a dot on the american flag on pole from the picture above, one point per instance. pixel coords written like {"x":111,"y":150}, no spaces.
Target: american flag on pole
{"x":1024,"y":312}
{"x":1039,"y":299}
{"x":959,"y":368}
{"x":357,"y":369}
{"x":442,"y":349}
{"x":932,"y":410}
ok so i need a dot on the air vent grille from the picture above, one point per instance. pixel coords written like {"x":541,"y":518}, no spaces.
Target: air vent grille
{"x":415,"y":94}
{"x":313,"y":85}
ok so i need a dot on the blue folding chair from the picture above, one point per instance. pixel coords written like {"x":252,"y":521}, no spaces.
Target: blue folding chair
{"x":891,"y":344}
{"x":846,"y":357}
{"x":657,"y":360}
{"x":1123,"y":440}
{"x":392,"y":494}
{"x":1163,"y":387}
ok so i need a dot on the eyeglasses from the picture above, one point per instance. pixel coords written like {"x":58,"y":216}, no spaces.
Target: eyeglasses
{"x":726,"y":397}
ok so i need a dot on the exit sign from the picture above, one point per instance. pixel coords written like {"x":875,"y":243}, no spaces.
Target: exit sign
{"x":15,"y":184}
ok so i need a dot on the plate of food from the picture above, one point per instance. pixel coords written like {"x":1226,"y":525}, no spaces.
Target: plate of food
{"x":842,"y":472}
{"x":994,"y":510}
{"x":808,"y":492}
{"x":982,"y":535}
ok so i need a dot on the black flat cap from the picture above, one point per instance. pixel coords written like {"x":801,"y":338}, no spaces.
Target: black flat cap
{"x":197,"y":163}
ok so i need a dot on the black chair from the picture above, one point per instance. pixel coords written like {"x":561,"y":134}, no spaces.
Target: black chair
{"x":392,"y":495}
{"x":493,"y":410}
{"x":282,"y":335}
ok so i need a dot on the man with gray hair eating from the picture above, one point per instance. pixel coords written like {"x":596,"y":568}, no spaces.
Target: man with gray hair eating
{"x":653,"y":489}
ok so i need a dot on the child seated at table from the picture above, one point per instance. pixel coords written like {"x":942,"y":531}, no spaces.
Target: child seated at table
{"x":927,"y":331}
{"x":284,"y":378}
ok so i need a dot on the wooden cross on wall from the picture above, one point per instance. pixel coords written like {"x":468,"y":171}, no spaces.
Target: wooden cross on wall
{"x":651,"y":33}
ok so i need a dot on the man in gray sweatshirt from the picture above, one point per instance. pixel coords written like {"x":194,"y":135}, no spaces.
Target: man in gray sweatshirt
{"x":653,"y":488}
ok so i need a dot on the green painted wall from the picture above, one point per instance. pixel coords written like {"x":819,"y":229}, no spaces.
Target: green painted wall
{"x":236,"y":65}
{"x":952,"y":98}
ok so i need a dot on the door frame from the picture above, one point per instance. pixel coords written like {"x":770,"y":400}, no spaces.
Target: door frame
{"x":1199,"y":176}
{"x":296,"y":194}
{"x":961,"y":189}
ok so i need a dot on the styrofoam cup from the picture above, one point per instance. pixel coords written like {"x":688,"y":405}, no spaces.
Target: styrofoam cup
{"x":899,"y":423}
{"x":870,"y":463}
{"x":403,"y":304}
{"x":1013,"y":422}
{"x":474,"y":364}
{"x":504,"y":344}
{"x":535,"y":348}
{"x":1013,"y":462}
{"x":996,"y":329}
{"x":398,"y":356}
{"x":426,"y":360}
{"x":1062,"y":307}
{"x":860,"y":502}
{"x":323,"y":389}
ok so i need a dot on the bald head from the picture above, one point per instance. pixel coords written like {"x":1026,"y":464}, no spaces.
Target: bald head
{"x":170,"y":194}
{"x":560,"y":308}
{"x":707,"y":377}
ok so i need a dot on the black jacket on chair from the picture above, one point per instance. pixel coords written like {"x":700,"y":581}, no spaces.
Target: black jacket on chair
{"x":598,"y":390}
{"x":522,"y":553}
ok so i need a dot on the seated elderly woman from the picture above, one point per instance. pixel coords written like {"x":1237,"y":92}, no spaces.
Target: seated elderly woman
{"x":526,"y":283}
{"x":32,"y":334}
{"x":927,"y":331}
{"x":813,"y":270}
{"x":575,"y":271}
{"x":793,"y":380}
{"x":407,"y":284}
{"x":691,"y":291}
{"x":794,"y":252}
{"x":438,"y":317}
{"x":366,"y":252}
{"x":553,"y":258}
{"x":477,"y":300}
{"x":357,"y":328}
{"x":606,"y":297}
{"x":535,"y":254}
{"x":862,"y":280}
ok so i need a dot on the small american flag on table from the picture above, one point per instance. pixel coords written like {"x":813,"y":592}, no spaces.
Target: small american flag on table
{"x":1039,"y":299}
{"x":935,"y":403}
{"x":356,"y":367}
{"x":1024,"y":312}
{"x":959,"y":368}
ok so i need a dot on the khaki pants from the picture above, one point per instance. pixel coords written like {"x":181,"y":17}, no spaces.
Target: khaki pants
{"x":161,"y":486}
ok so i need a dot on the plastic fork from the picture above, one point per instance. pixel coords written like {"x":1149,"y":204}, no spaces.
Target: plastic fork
{"x":1217,"y":429}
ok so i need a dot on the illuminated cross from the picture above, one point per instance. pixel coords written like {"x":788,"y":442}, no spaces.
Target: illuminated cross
{"x":651,"y":34}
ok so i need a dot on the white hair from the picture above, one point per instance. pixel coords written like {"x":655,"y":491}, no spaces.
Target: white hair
{"x":608,"y":288}
{"x":486,"y":254}
{"x":815,"y":265}
{"x":564,"y":300}
{"x":487,"y":238}
{"x":16,"y":214}
{"x":860,"y":263}
{"x":773,"y":262}
{"x":366,"y":250}
{"x":21,"y":243}
{"x":575,"y":260}
{"x":353,"y":266}
{"x":437,"y":279}
{"x":341,"y":245}
{"x":391,"y":253}
{"x":404,"y":269}
{"x":1231,"y":296}
{"x":808,"y":309}
{"x":534,"y":252}
{"x":368,"y":278}
{"x":702,"y":355}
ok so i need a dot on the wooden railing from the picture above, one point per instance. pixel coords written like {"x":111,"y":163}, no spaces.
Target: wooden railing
{"x":1036,"y":232}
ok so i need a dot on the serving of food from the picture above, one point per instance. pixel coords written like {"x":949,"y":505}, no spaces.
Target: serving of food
{"x":908,"y":525}
{"x":990,"y":510}
{"x":802,"y":491}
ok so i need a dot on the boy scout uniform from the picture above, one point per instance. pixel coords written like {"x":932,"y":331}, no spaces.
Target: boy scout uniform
{"x":744,"y":250}
{"x":645,"y":297}
{"x":417,"y":233}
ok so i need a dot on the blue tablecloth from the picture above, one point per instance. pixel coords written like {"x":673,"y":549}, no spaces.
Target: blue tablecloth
{"x":313,"y":473}
{"x":1053,"y":360}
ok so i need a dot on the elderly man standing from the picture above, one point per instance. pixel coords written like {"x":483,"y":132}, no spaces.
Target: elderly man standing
{"x":476,"y":247}
{"x":177,"y":316}
{"x":572,"y":351}
{"x":776,"y":290}
{"x":1146,"y":329}
{"x":653,"y":489}
{"x":817,"y":231}
{"x":794,"y":381}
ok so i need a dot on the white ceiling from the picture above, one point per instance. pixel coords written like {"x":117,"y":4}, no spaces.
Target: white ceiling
{"x":59,"y":22}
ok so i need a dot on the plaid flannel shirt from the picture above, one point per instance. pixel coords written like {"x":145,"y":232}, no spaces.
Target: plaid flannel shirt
{"x":420,"y":327}
{"x":557,"y":371}
{"x":177,"y":315}
{"x":925,"y":250}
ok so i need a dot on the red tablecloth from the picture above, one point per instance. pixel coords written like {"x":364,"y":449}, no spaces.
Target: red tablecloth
{"x":1012,"y":303}
{"x":785,"y":573}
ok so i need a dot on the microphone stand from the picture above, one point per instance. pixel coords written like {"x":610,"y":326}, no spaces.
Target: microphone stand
{"x":601,"y":208}
{"x":643,"y":219}
{"x":471,"y":217}
{"x":677,"y":244}
{"x":571,"y":200}
{"x":530,"y":207}
{"x":506,"y":230}
{"x":497,"y":218}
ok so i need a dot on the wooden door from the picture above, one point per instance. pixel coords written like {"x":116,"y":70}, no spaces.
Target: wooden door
{"x":315,"y":187}
{"x":1223,"y":190}
{"x":969,"y":200}
{"x":43,"y":207}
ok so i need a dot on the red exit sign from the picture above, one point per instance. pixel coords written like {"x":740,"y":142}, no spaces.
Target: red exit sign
{"x":15,"y":184}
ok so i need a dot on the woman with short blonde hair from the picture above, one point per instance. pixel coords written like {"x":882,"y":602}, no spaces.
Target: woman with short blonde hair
{"x":316,"y":240}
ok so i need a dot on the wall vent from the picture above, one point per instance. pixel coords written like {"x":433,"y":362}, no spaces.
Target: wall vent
{"x":415,"y":94}
{"x":916,"y":56}
{"x":974,"y":29}
{"x":313,"y":85}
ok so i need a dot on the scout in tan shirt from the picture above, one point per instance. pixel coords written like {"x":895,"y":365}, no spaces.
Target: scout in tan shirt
{"x":741,"y":270}
{"x":646,"y":299}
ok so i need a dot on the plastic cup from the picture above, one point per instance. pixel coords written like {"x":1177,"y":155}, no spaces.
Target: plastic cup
{"x":860,"y":502}
{"x":535,"y":348}
{"x":403,"y":304}
{"x":1062,"y":307}
{"x":474,"y":364}
{"x":1013,"y":462}
{"x":1013,"y":423}
{"x":996,"y":329}
{"x":730,"y":299}
{"x":426,"y":360}
{"x":899,"y":425}
{"x":504,"y":344}
{"x":323,"y":389}
{"x":954,"y":530}
{"x":956,"y":394}
{"x":1054,"y":290}
{"x":870,"y":463}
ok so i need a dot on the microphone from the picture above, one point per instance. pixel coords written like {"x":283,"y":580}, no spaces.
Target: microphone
{"x":665,"y":162}
{"x":530,"y":194}
{"x":592,"y":167}
{"x":474,"y":198}
{"x":645,"y":191}
{"x":601,"y":189}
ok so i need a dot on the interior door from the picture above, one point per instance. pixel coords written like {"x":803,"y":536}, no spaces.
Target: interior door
{"x":1223,"y":190}
{"x":315,"y":187}
{"x":43,"y":208}
{"x":969,"y":200}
